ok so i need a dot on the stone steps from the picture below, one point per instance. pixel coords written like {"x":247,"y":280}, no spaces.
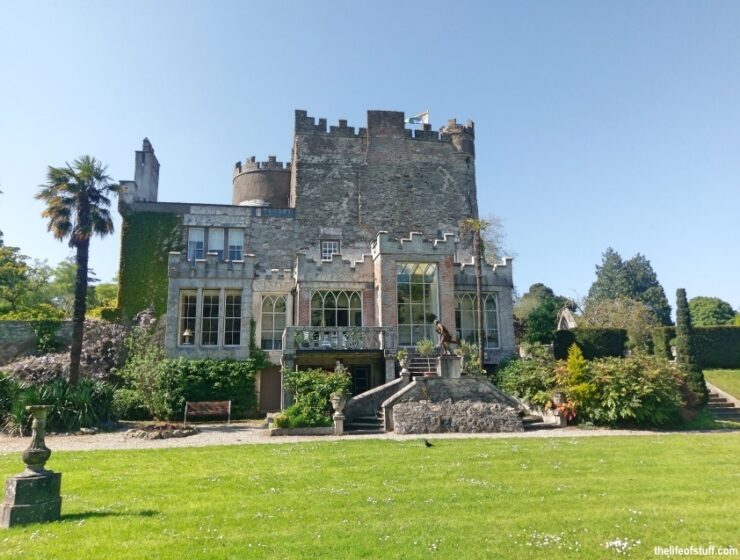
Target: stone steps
{"x":366,"y":425}
{"x":722,"y":409}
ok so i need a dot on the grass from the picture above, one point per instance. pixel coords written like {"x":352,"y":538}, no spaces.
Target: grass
{"x":462,"y":498}
{"x":726,"y":379}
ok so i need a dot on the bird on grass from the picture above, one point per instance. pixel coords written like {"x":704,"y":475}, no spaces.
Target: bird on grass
{"x":426,"y":443}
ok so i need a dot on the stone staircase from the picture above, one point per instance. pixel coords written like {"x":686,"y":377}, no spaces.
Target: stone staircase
{"x":533,"y":422}
{"x":419,"y":365}
{"x":721,"y":408}
{"x":366,"y":424}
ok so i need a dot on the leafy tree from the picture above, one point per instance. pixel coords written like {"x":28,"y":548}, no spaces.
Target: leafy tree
{"x":622,"y":313}
{"x":710,"y":312}
{"x":14,"y":276}
{"x":686,"y":350}
{"x":77,"y":202}
{"x":534,"y":297}
{"x":542,"y":320}
{"x":634,"y":279}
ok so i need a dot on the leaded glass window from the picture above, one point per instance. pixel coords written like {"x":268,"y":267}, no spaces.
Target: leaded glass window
{"x":272,"y":322}
{"x":418,"y":301}
{"x":466,"y":318}
{"x":336,"y":309}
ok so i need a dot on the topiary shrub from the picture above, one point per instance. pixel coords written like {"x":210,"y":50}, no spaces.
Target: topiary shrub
{"x":594,"y":342}
{"x":686,"y":353}
{"x":311,"y":390}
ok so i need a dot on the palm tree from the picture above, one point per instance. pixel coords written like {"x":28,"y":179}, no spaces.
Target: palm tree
{"x":477,"y":228}
{"x":77,"y":204}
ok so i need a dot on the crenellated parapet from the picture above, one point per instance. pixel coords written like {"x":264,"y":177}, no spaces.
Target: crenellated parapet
{"x":416,"y":243}
{"x":388,"y":124}
{"x":337,"y":269}
{"x":251,"y":164}
{"x":493,"y":275}
{"x":178,"y":266}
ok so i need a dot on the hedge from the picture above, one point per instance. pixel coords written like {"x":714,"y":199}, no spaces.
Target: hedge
{"x":594,"y":342}
{"x":716,"y":347}
{"x":662,"y":337}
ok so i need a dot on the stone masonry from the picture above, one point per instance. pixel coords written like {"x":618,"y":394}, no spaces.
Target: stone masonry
{"x":382,"y":195}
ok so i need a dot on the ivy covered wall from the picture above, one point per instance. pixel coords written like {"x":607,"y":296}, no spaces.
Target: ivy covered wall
{"x":146,"y":239}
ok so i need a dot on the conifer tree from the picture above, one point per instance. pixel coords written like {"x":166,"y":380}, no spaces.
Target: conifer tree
{"x":686,"y":350}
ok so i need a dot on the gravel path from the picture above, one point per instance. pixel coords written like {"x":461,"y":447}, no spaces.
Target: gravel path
{"x":235,"y":434}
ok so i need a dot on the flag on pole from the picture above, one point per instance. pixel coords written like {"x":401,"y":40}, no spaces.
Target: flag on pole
{"x":421,"y":118}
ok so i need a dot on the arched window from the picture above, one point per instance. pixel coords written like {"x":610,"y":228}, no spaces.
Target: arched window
{"x":336,"y":309}
{"x":272,"y":322}
{"x":466,"y":314}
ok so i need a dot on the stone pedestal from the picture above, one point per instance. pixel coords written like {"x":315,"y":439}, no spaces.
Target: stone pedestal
{"x":31,"y":499}
{"x":338,"y":423}
{"x":34,"y":495}
{"x":449,"y":366}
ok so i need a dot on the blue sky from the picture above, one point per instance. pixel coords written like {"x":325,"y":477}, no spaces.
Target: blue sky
{"x":597,"y":123}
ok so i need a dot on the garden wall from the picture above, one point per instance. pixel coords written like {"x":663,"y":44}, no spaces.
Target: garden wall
{"x":17,"y":339}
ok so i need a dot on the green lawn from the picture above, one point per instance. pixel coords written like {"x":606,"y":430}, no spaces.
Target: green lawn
{"x":726,"y":379}
{"x":472,"y":498}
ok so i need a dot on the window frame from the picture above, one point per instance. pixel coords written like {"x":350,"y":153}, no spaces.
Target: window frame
{"x":193,"y":251}
{"x":276,"y":335}
{"x":335,"y":243}
{"x":232,"y":248}
{"x":323,"y":309}
{"x":470,"y":333}
{"x":235,"y":317}
{"x":184,"y":321}
{"x":212,"y":319}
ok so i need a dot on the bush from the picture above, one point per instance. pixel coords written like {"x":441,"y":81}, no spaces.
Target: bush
{"x":640,"y":390}
{"x":86,"y":405}
{"x":311,"y":391}
{"x":532,"y":380}
{"x":183,"y":380}
{"x":129,"y":405}
{"x":594,"y":343}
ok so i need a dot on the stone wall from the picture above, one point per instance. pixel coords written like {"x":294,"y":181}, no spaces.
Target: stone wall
{"x":17,"y":339}
{"x":462,"y":416}
{"x":436,"y":404}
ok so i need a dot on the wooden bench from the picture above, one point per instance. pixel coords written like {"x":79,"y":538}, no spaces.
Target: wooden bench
{"x":207,"y":408}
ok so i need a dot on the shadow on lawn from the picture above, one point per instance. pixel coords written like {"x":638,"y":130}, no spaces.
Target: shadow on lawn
{"x":93,"y":514}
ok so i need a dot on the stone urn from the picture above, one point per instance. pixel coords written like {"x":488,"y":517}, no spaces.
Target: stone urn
{"x":338,"y":402}
{"x":36,"y":455}
{"x":558,"y":398}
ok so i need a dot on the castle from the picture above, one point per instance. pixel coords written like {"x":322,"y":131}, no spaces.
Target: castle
{"x":346,"y":253}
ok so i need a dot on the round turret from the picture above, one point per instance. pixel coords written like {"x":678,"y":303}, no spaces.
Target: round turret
{"x":265,"y":183}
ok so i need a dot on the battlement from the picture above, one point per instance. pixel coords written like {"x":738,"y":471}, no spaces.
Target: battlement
{"x":251,"y":164}
{"x":414,"y":244}
{"x":337,"y":269}
{"x":179,"y":266}
{"x":382,"y":123}
{"x":497,"y":274}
